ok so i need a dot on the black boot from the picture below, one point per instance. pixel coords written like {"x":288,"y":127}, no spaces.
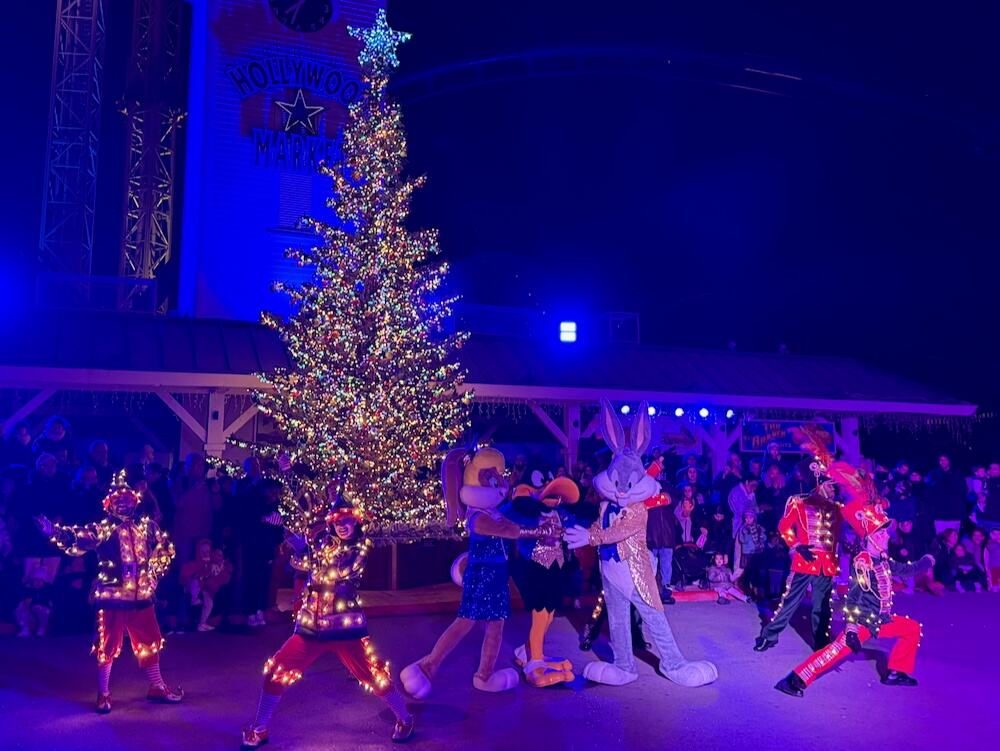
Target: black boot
{"x":896,"y":678}
{"x":667,"y":598}
{"x":792,"y":685}
{"x":762,"y":643}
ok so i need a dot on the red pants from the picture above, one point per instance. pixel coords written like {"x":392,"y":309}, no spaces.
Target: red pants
{"x":901,"y":658}
{"x":298,"y":653}
{"x":143,"y":632}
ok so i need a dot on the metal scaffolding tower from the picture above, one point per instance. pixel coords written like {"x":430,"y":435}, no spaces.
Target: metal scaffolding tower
{"x":67,"y":234}
{"x":153,"y":94}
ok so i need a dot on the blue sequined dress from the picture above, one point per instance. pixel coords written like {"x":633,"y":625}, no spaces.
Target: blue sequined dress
{"x":485,"y":591}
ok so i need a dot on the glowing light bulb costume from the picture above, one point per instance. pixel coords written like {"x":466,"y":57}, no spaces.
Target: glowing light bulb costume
{"x":329,"y":619}
{"x":133,"y":554}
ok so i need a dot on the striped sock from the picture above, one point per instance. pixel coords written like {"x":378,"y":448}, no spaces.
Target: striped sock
{"x":265,"y":708}
{"x":103,"y":676}
{"x":153,"y":673}
{"x":394,"y":700}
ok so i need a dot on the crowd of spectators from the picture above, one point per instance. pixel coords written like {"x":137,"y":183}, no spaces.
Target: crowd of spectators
{"x":736,"y":515}
{"x":230,"y":560}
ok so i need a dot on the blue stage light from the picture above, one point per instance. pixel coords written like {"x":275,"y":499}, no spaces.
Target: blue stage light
{"x":567,"y":331}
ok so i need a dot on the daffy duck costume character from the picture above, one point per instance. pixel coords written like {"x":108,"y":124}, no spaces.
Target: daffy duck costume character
{"x":538,"y":571}
{"x":869,"y":601}
{"x":474,"y":486}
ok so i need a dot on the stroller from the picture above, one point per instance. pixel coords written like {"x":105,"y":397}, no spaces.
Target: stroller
{"x":690,"y":563}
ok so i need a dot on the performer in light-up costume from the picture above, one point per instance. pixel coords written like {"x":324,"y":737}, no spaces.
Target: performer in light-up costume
{"x":132,"y":556}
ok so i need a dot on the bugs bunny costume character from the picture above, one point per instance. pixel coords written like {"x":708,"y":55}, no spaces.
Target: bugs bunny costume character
{"x":620,"y":537}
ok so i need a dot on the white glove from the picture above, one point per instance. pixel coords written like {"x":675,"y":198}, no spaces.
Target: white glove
{"x":577,"y":537}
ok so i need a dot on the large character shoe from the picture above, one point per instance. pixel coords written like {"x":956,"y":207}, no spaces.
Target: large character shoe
{"x":552,"y":663}
{"x":403,"y":730}
{"x":501,"y":680}
{"x":163,"y":694}
{"x":792,"y":685}
{"x":607,"y":673}
{"x":541,"y":674}
{"x":693,"y":674}
{"x":415,"y":681}
{"x":103,"y":703}
{"x":254,"y":738}
{"x":896,"y":678}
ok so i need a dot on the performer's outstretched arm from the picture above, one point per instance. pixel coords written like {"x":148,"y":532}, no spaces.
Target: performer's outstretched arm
{"x":75,"y":540}
{"x":904,"y":570}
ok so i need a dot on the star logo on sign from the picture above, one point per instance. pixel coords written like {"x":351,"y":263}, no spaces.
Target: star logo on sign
{"x":300,"y":113}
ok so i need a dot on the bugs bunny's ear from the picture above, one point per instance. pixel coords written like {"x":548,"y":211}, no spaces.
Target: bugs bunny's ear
{"x":642,"y":430}
{"x":614,"y":436}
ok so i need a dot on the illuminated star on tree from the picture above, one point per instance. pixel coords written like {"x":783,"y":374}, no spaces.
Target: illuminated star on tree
{"x":300,"y":113}
{"x":380,"y":42}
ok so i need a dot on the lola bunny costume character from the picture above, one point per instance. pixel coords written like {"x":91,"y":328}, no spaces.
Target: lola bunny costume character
{"x":474,"y":485}
{"x":620,"y":536}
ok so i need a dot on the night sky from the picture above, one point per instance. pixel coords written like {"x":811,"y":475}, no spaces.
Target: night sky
{"x":849,"y":224}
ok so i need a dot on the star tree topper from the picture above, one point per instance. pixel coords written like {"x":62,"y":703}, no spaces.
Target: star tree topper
{"x":380,"y":43}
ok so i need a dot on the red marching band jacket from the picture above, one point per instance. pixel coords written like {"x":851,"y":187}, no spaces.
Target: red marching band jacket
{"x":813,"y":521}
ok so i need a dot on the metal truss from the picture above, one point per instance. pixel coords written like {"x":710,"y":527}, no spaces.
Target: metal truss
{"x":67,"y":232}
{"x":152,"y":108}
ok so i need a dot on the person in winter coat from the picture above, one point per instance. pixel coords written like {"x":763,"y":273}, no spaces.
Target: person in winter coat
{"x":684,"y":512}
{"x":15,"y":448}
{"x":195,"y":498}
{"x":730,"y":476}
{"x":255,"y":510}
{"x":47,"y":492}
{"x":661,"y":538}
{"x":720,"y":578}
{"x":949,"y":501}
{"x":55,"y":439}
{"x":743,"y":498}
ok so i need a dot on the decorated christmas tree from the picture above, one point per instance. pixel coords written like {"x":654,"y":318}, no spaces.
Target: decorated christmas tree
{"x":376,"y":391}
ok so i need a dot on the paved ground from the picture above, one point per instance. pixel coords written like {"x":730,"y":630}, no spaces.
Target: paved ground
{"x":47,"y":688}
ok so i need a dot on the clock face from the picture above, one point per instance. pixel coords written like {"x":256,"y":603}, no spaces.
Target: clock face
{"x":304,"y":16}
